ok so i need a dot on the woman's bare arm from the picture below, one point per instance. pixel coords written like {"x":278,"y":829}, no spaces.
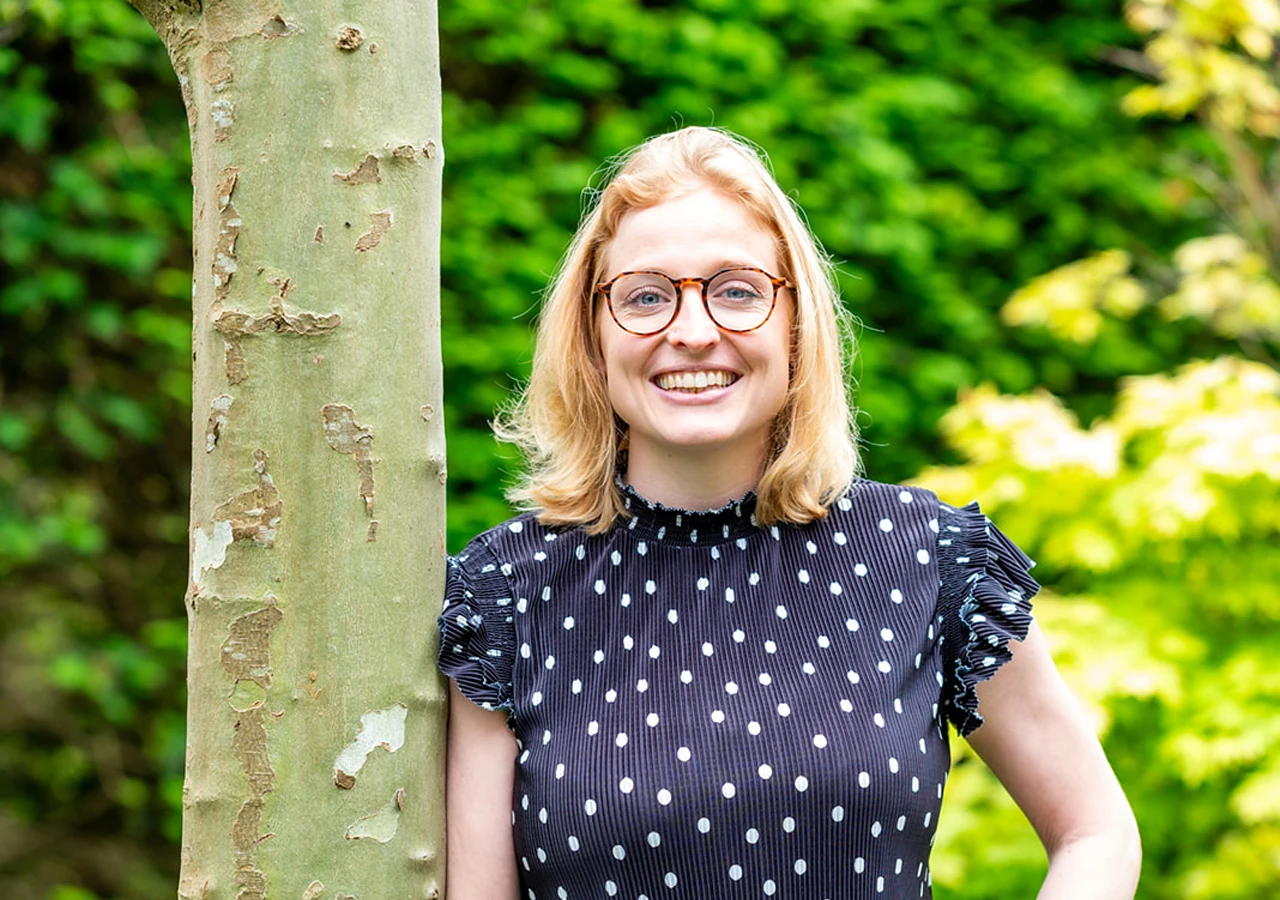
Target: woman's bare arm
{"x":1037,"y":741}
{"x":481,"y":771}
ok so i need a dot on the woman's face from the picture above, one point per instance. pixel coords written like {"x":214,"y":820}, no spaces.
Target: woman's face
{"x":696,"y":235}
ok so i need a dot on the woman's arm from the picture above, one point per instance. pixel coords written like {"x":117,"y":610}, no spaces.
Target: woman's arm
{"x":1038,"y":742}
{"x":481,"y":771}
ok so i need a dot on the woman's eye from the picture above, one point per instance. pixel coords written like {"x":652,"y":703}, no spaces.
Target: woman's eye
{"x":646,"y":298}
{"x":737,"y":292}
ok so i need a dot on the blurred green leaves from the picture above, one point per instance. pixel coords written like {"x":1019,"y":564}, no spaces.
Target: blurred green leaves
{"x":945,"y":152}
{"x":94,"y":209}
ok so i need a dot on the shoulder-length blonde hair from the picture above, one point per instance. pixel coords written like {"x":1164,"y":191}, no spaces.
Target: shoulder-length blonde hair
{"x":563,"y":421}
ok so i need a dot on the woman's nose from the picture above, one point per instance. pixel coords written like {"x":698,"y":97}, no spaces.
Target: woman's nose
{"x":692,"y":326}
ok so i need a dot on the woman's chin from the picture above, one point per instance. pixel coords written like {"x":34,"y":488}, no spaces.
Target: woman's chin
{"x":700,"y":440}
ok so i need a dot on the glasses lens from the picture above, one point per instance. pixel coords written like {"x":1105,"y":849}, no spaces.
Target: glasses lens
{"x":740,"y":299}
{"x":643,"y":303}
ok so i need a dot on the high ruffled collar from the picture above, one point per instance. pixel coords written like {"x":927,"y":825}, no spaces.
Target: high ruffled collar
{"x":652,"y":521}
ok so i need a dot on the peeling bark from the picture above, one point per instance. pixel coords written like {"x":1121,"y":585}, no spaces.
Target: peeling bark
{"x":237,"y":368}
{"x":365,"y":173}
{"x":345,"y":435}
{"x":254,"y":514}
{"x":246,"y":656}
{"x":380,"y":223}
{"x":246,"y":653}
{"x":250,"y":747}
{"x":224,"y":251}
{"x":216,"y":68}
{"x":380,"y":825}
{"x":233,"y":324}
{"x":218,"y":409}
{"x":251,"y":881}
{"x":277,"y":27}
{"x":349,"y":38}
{"x":380,"y":728}
{"x":223,"y":114}
{"x":210,"y":549}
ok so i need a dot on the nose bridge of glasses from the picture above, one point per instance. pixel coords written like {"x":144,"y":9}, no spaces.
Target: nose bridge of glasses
{"x":693,"y":306}
{"x":689,"y":282}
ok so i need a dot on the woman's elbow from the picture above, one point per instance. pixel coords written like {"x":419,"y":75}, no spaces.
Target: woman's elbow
{"x":1129,"y":846}
{"x":1111,"y":848}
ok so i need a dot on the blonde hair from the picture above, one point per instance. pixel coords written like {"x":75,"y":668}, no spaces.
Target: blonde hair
{"x":563,"y":420}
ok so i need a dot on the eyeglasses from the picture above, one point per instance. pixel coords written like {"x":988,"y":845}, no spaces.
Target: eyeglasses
{"x":739,"y":300}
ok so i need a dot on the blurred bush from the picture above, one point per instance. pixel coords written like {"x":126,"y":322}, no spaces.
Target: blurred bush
{"x":945,"y":152}
{"x":1157,"y":528}
{"x":95,"y":393}
{"x":1157,"y":525}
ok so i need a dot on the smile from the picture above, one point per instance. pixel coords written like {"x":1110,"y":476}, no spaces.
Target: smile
{"x":694,"y":381}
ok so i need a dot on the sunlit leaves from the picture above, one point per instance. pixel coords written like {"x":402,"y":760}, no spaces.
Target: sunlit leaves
{"x":1069,"y":301}
{"x":1161,"y":525}
{"x":1221,"y":281}
{"x":1196,"y":49}
{"x":1227,"y":285}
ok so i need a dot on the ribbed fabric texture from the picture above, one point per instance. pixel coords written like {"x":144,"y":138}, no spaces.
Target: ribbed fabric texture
{"x":709,"y":707}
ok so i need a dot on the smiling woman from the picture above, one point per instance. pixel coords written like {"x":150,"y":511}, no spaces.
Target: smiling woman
{"x":698,"y":402}
{"x":707,"y":655}
{"x":685,"y":205}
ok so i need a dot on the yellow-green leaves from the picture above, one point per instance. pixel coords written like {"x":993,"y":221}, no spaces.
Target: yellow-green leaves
{"x":1210,"y":58}
{"x":1070,"y":301}
{"x":1228,"y":286}
{"x":1221,"y":281}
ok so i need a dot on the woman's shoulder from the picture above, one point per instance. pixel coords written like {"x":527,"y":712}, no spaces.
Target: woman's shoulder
{"x":513,"y":530}
{"x":520,"y":538}
{"x":884,"y":504}
{"x":869,"y":490}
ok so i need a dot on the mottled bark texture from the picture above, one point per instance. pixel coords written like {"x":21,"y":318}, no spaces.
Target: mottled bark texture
{"x":315,"y":719}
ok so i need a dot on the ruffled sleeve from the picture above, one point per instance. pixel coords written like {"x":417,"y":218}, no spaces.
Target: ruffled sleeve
{"x":983,"y":603}
{"x":477,"y":631}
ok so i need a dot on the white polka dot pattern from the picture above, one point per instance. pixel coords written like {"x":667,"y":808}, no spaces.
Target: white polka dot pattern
{"x":707,"y":706}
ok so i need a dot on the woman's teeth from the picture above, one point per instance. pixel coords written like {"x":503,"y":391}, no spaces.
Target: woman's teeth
{"x":694,"y":381}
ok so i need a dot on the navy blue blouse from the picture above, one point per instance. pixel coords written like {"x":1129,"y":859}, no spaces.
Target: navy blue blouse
{"x":705,"y":707}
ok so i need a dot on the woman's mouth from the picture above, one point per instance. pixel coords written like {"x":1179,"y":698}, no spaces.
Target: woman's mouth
{"x":693,"y":382}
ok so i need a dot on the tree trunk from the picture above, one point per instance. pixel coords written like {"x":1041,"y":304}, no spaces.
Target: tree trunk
{"x":315,"y":717}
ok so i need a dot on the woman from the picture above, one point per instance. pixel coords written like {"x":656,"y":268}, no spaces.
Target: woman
{"x":709,"y":658}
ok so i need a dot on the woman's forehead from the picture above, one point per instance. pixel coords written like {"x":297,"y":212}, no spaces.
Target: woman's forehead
{"x":696,"y":233}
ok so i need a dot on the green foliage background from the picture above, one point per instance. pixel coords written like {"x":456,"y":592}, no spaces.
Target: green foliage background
{"x":945,"y":151}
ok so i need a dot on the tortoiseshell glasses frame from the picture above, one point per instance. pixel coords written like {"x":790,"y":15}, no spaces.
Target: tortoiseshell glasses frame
{"x":678,"y":285}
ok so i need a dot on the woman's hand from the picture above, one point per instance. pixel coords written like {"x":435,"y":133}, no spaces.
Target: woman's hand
{"x":1038,"y":742}
{"x":481,"y":772}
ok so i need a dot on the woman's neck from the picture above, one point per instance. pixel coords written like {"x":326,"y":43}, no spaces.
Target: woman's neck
{"x":693,"y":482}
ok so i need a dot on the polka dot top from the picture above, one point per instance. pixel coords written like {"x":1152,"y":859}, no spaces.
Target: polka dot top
{"x":708,"y":708}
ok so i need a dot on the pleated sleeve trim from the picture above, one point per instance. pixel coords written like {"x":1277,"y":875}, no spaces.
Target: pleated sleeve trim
{"x":477,"y":629}
{"x":983,"y":603}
